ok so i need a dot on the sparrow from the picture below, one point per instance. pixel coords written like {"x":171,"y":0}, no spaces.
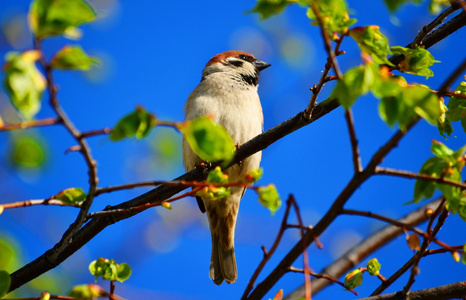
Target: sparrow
{"x":227,"y":93}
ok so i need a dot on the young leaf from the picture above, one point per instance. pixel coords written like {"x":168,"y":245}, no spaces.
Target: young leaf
{"x":5,"y":281}
{"x":443,"y":124}
{"x":353,"y":279}
{"x":373,"y":267}
{"x":268,"y":197}
{"x":86,"y":291}
{"x":138,"y":124}
{"x":333,"y":14}
{"x":217,"y":176}
{"x":213,"y":193}
{"x":372,"y":42}
{"x":253,"y":176}
{"x":72,"y":58}
{"x":124,"y":272}
{"x":416,"y":61}
{"x":44,"y":296}
{"x":267,"y":8}
{"x":210,"y":141}
{"x":55,"y":17}
{"x":356,"y":82}
{"x":436,"y":6}
{"x":278,"y":295}
{"x":71,"y":196}
{"x":446,"y":164}
{"x":24,"y":82}
{"x":457,"y":106}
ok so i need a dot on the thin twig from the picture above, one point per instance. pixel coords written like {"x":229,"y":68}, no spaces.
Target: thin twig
{"x":324,"y":276}
{"x":396,"y":223}
{"x":26,"y":203}
{"x":268,"y":254}
{"x":86,"y":134}
{"x":30,"y":124}
{"x":354,"y":141}
{"x":450,"y":291}
{"x":412,"y":175}
{"x":307,"y":269}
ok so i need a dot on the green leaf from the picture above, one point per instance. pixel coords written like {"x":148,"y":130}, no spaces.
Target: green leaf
{"x":436,"y":6}
{"x":411,"y":101}
{"x":267,"y":8}
{"x":443,"y":124}
{"x":353,"y":279}
{"x":86,"y":291}
{"x":268,"y":197}
{"x":27,"y":151}
{"x":373,"y":267}
{"x":24,"y":82}
{"x":109,"y":269}
{"x":446,"y":164}
{"x":217,"y":176}
{"x":356,"y":82}
{"x":416,"y":61}
{"x":210,"y":141}
{"x":72,"y":58}
{"x":457,"y":106}
{"x":253,"y":176}
{"x":123,"y":272}
{"x":333,"y":14}
{"x":393,"y":5}
{"x":372,"y":42}
{"x":44,"y":296}
{"x":71,"y":196}
{"x":213,"y":192}
{"x":5,"y":281}
{"x":56,"y":17}
{"x":137,"y":124}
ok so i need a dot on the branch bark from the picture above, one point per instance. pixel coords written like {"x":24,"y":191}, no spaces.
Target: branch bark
{"x":450,"y":291}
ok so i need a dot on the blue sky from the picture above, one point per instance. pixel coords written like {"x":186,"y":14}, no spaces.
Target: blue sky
{"x":152,"y":55}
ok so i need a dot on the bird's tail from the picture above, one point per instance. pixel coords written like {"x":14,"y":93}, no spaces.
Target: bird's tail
{"x":222,"y":262}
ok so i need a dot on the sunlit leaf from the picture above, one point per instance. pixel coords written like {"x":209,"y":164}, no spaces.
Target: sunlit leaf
{"x":373,"y":267}
{"x":24,"y":82}
{"x":253,"y":176}
{"x":44,"y":296}
{"x":217,"y":176}
{"x":278,"y":295}
{"x":72,"y":58}
{"x":334,"y":16}
{"x":353,"y":279}
{"x":267,"y":8}
{"x":356,"y":82}
{"x":443,"y":124}
{"x":5,"y":281}
{"x":213,"y":193}
{"x":137,"y":124}
{"x":446,"y":164}
{"x":123,"y":272}
{"x":71,"y":196}
{"x":55,"y":17}
{"x":457,"y":106}
{"x":416,"y":61}
{"x":372,"y":42}
{"x":436,"y":6}
{"x":210,"y":141}
{"x":86,"y":291}
{"x":269,"y":198}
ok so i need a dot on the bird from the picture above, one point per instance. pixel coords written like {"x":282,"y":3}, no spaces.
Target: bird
{"x":228,"y":94}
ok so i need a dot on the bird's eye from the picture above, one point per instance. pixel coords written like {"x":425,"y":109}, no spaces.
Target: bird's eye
{"x":243,"y":57}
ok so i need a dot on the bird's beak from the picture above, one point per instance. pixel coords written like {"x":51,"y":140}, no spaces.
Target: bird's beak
{"x":260,"y":65}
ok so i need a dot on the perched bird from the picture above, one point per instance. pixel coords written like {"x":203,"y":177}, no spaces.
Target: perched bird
{"x":228,"y":93}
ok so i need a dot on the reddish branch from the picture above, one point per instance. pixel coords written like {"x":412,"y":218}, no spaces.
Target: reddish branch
{"x":30,"y":124}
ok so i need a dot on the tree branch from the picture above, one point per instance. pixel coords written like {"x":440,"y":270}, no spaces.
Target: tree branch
{"x":369,"y":245}
{"x":450,"y":291}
